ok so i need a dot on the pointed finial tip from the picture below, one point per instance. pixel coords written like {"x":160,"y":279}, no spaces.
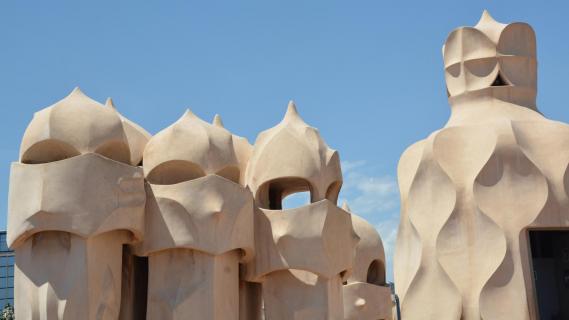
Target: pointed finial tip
{"x":291,"y":111}
{"x":188,"y":116}
{"x":77,"y":90}
{"x":109,"y":103}
{"x":188,"y":113}
{"x":291,"y":106}
{"x":345,"y":206}
{"x":486,"y":17}
{"x":217,"y":121}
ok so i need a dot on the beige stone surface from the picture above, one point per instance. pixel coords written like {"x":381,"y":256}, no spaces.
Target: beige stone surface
{"x":74,"y":201}
{"x":73,"y":126}
{"x":199,"y":221}
{"x":59,"y":275}
{"x":369,"y":258}
{"x":471,"y":190}
{"x":367,"y":301}
{"x":366,"y":295}
{"x":250,"y":300}
{"x":317,"y":238}
{"x":243,"y":149}
{"x":299,"y":294}
{"x":303,"y":253}
{"x":66,"y":196}
{"x":176,"y":218}
{"x":136,"y":136}
{"x":292,"y":157}
{"x":189,"y":283}
{"x":170,"y":157}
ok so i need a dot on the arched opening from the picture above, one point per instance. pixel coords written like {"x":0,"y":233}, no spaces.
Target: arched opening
{"x":271,"y":194}
{"x":376,"y":273}
{"x":296,"y":200}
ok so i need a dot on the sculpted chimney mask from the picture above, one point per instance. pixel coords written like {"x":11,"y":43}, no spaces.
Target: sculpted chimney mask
{"x":492,"y":59}
{"x":74,"y":201}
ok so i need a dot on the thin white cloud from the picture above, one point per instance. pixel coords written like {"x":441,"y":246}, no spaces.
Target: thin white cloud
{"x":348,"y":166}
{"x":367,"y":193}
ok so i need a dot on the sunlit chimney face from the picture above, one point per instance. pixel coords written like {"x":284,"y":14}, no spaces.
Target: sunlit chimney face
{"x":491,"y":58}
{"x":290,"y":158}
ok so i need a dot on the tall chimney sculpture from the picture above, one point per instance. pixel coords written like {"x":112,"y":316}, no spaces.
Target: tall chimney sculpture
{"x":472,"y":191}
{"x":76,"y":196}
{"x":199,"y":222}
{"x":307,"y":251}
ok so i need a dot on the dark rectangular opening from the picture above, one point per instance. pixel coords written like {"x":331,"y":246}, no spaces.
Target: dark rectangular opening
{"x":134,"y":289}
{"x":550,"y":260}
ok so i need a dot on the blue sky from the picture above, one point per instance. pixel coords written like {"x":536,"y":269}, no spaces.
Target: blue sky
{"x":368,"y":74}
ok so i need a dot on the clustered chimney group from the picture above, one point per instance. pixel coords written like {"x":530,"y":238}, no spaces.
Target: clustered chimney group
{"x":109,"y":222}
